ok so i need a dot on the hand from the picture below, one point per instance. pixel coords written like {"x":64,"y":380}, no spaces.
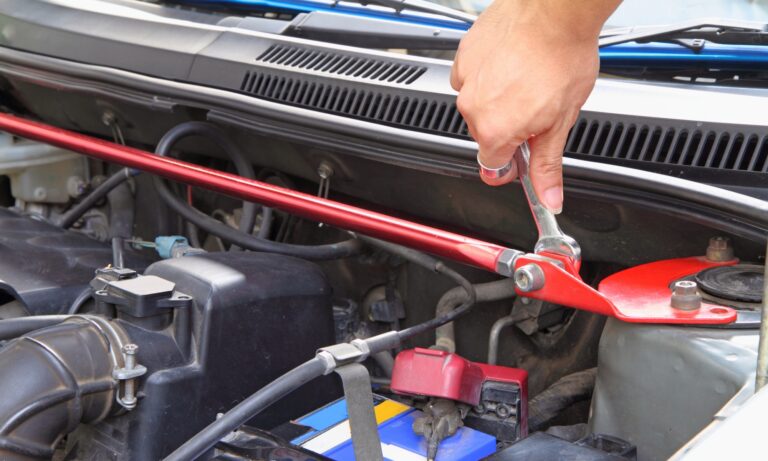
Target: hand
{"x":523,"y":71}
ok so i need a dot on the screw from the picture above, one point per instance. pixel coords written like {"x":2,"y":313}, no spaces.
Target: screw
{"x":720,"y":249}
{"x":503,"y":411}
{"x":685,"y":296}
{"x":129,"y":392}
{"x":529,"y":278}
{"x":324,"y":170}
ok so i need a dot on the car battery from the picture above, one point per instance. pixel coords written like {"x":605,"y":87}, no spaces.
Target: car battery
{"x":326,"y":431}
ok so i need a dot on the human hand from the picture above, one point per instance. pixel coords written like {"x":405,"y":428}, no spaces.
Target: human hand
{"x":523,"y":71}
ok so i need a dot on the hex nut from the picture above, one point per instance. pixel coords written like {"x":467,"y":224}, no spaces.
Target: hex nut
{"x":529,"y":278}
{"x":720,"y":249}
{"x":685,"y":296}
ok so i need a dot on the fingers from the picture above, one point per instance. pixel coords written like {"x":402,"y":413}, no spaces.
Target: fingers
{"x":546,"y":167}
{"x":510,"y":176}
{"x":456,"y":80}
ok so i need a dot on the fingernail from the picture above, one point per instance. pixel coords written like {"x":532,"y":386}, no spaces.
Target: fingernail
{"x":553,"y":199}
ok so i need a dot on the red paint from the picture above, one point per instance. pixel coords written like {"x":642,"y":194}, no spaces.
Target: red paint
{"x":434,"y":373}
{"x":638,"y":295}
{"x":646,"y":289}
{"x":439,"y":242}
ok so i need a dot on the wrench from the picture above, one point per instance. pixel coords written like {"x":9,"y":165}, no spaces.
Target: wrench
{"x":551,"y":238}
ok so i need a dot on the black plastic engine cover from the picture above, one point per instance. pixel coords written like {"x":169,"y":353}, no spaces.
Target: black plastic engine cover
{"x":45,"y":267}
{"x":254,"y":317}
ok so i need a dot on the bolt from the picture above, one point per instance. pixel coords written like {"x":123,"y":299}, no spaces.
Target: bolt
{"x":503,"y":411}
{"x":129,"y":392}
{"x":108,"y":118}
{"x":324,"y":170}
{"x":75,"y":186}
{"x":529,"y":278}
{"x":720,"y":249}
{"x":685,"y":296}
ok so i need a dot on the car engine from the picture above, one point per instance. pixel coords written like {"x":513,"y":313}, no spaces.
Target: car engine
{"x":269,"y":255}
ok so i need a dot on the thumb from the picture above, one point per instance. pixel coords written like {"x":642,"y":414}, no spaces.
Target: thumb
{"x":547,"y":167}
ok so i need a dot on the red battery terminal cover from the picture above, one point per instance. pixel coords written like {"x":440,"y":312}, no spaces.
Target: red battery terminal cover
{"x":436,"y":373}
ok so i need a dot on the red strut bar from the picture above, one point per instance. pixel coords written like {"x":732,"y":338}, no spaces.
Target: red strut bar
{"x":441,"y":243}
{"x":560,"y":281}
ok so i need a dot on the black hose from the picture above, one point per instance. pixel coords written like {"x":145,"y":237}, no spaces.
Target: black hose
{"x":76,"y":212}
{"x":242,"y":165}
{"x":247,"y":409}
{"x":81,"y":299}
{"x":241,"y":239}
{"x":433,"y":264}
{"x":486,"y":292}
{"x":566,"y":391}
{"x":15,"y":327}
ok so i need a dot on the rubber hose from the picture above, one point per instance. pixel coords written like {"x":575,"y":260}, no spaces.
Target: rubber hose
{"x":242,"y":165}
{"x":242,"y":239}
{"x":566,"y":391}
{"x":53,"y":380}
{"x":433,"y":264}
{"x":81,"y":299}
{"x":247,"y":409}
{"x":15,"y":327}
{"x":491,"y":291}
{"x":76,"y":212}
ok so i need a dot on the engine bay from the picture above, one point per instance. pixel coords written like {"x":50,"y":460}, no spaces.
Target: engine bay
{"x":248,"y":333}
{"x":230,"y":237}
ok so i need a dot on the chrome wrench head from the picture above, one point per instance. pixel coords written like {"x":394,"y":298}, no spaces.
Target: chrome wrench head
{"x":551,"y":238}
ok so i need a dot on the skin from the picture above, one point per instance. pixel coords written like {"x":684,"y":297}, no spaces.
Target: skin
{"x":523,"y":71}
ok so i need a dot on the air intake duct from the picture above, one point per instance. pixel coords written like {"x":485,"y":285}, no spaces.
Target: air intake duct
{"x":54,"y":379}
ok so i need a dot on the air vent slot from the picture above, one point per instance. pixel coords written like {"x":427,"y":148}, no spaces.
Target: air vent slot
{"x":330,"y":62}
{"x":412,"y":113}
{"x":670,"y":145}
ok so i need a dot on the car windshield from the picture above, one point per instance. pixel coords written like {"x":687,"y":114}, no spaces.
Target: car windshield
{"x":653,"y":12}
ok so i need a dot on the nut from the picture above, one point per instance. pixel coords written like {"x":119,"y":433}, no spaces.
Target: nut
{"x":685,"y":296}
{"x":529,"y":278}
{"x":505,"y":264}
{"x":720,"y":249}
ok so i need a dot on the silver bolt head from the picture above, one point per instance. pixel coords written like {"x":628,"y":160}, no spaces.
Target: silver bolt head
{"x":529,"y":278}
{"x":130,"y":349}
{"x":685,"y":295}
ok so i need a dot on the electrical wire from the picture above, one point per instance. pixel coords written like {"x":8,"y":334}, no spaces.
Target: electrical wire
{"x":235,"y":236}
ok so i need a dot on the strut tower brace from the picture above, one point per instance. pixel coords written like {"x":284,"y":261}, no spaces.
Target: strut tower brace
{"x":551,"y":276}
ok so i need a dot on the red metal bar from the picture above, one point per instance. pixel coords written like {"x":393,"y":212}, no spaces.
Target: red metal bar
{"x":438,"y":242}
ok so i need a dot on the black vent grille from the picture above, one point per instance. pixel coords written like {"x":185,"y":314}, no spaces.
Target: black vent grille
{"x":690,"y":146}
{"x":412,"y":113}
{"x":342,"y":64}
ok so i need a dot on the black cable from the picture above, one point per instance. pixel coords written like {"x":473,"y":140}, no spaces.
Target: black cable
{"x":247,"y":409}
{"x":242,"y":165}
{"x":15,"y":327}
{"x":76,"y":212}
{"x":242,"y":239}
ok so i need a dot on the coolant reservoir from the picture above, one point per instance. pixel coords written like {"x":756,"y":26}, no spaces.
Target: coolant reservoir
{"x":40,"y":173}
